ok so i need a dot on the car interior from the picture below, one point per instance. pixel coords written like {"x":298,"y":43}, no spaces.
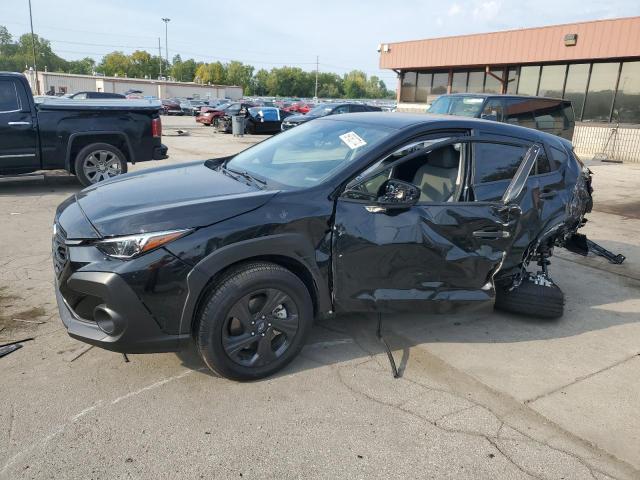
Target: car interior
{"x":437,"y":172}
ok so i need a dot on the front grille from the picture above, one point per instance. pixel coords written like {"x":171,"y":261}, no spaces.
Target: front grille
{"x":59,"y":251}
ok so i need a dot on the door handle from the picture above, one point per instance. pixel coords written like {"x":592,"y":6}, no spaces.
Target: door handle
{"x":18,"y":123}
{"x":491,"y":234}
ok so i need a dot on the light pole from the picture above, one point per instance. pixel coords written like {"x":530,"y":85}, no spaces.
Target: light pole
{"x":33,"y":47}
{"x":166,"y":39}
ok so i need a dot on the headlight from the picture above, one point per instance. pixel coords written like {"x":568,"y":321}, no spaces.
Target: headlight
{"x":134,"y":245}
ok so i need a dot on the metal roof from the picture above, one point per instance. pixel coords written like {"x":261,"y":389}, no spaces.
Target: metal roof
{"x":601,"y":39}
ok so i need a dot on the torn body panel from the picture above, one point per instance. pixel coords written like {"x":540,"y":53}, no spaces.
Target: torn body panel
{"x":427,"y":257}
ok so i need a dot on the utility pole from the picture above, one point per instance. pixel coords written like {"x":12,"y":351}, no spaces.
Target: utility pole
{"x":33,"y":48}
{"x":160,"y":56}
{"x":166,"y":39}
{"x":317,"y":65}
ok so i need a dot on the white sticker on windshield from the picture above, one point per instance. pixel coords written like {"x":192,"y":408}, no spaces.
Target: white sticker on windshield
{"x":352,"y":140}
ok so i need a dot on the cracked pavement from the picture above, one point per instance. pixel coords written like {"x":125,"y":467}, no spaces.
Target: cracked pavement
{"x":483,"y":395}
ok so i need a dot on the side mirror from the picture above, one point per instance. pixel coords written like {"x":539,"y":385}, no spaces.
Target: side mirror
{"x":398,"y":194}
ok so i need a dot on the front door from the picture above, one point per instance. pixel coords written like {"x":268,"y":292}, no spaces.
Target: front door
{"x":439,"y":253}
{"x":18,"y":148}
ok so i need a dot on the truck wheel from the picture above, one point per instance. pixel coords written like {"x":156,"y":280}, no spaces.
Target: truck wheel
{"x":255,"y":322}
{"x":544,"y":301}
{"x":98,"y":162}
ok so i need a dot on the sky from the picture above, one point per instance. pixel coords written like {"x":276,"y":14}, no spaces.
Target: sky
{"x":344,"y":34}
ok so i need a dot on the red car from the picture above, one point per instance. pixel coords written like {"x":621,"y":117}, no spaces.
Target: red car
{"x":209,"y":115}
{"x":302,"y":108}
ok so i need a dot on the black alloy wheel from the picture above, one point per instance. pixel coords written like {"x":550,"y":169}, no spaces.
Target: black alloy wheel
{"x":254,"y":321}
{"x":260,"y":327}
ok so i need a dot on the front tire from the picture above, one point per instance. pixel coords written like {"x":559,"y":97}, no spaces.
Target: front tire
{"x":531,"y":299}
{"x":255,"y":322}
{"x":98,"y":162}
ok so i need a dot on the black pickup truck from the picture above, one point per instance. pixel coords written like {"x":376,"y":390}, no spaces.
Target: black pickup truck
{"x":92,"y":139}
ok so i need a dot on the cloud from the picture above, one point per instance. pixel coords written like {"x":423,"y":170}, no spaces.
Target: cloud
{"x":487,"y":10}
{"x":454,"y":9}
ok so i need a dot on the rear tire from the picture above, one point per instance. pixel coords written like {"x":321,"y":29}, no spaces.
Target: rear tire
{"x":255,"y":322}
{"x":99,"y":161}
{"x":531,"y":299}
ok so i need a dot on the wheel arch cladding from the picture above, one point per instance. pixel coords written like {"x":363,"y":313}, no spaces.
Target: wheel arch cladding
{"x":290,"y":251}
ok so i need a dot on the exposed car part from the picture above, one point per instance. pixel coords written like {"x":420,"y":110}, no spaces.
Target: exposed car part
{"x":392,"y":362}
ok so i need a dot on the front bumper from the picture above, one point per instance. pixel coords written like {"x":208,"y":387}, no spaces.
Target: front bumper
{"x":160,"y":152}
{"x":124,"y":324}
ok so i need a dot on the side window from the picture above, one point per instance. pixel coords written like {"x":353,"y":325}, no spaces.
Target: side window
{"x":551,"y":117}
{"x":558,"y":157}
{"x":8,"y":96}
{"x":341,"y":109}
{"x":437,"y":172}
{"x":493,"y":110}
{"x":358,"y":108}
{"x":493,"y":162}
{"x":542,"y":164}
{"x":520,"y":112}
{"x":80,"y":96}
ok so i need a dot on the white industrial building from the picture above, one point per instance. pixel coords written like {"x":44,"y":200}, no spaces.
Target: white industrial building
{"x":63,"y":83}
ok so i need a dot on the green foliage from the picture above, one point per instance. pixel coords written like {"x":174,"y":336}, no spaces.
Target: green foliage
{"x":283,"y":82}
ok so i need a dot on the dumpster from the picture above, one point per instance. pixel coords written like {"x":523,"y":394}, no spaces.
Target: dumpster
{"x":237,"y":125}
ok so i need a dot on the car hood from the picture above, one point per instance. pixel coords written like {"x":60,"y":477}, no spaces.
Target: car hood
{"x":299,"y":118}
{"x":167,"y":198}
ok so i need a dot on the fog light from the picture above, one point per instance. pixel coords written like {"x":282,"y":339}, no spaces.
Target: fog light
{"x":107,"y":320}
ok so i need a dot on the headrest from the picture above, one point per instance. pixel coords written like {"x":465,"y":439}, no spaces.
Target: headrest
{"x":444,"y":157}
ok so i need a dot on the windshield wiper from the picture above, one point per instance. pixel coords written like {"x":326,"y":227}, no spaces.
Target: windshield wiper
{"x":257,"y":182}
{"x":246,"y":175}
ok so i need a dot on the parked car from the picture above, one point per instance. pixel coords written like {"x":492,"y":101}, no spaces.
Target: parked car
{"x":134,"y":94}
{"x":551,"y":115}
{"x":325,"y":109}
{"x":257,"y":120}
{"x":91,"y":140}
{"x":302,"y":108}
{"x":209,"y":116}
{"x":94,"y":95}
{"x":366,"y":212}
{"x":171,"y":107}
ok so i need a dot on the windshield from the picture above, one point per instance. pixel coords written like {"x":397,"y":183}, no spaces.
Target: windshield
{"x":306,"y":155}
{"x":320,"y":111}
{"x":461,"y":106}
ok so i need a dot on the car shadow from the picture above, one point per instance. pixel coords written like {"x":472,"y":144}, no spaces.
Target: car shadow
{"x":595,"y":300}
{"x":30,"y":185}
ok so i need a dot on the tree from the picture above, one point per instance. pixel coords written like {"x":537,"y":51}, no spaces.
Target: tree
{"x":86,"y":66}
{"x":183,"y":71}
{"x":355,"y":84}
{"x":259,"y":84}
{"x":115,"y":63}
{"x":239,"y":74}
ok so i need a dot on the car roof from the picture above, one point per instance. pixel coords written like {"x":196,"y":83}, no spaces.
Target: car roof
{"x":403,"y":121}
{"x":500,"y":95}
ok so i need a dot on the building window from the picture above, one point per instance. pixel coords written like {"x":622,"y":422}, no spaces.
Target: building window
{"x":512,"y":86}
{"x":529,"y":77}
{"x":408,"y":88}
{"x":552,"y":81}
{"x":423,"y":86}
{"x":576,"y":86}
{"x":627,"y":106}
{"x":440,"y":83}
{"x":459,"y":82}
{"x":476,"y":81}
{"x":602,"y":85}
{"x":492,"y":84}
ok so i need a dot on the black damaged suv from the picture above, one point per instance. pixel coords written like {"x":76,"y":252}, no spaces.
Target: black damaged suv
{"x":364,"y":212}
